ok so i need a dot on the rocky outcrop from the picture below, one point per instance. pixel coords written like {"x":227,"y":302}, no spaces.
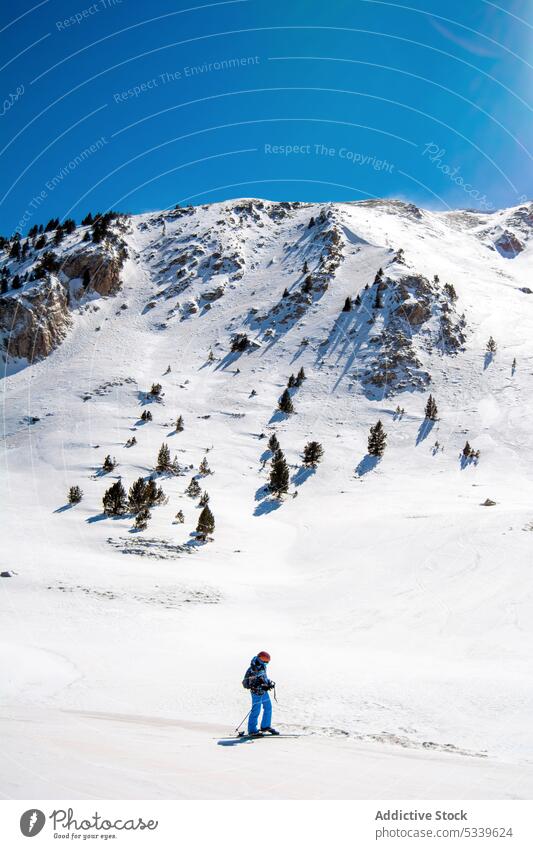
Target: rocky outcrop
{"x":103,"y":268}
{"x":35,"y":318}
{"x":33,"y":325}
{"x":508,"y":245}
{"x":412,"y":309}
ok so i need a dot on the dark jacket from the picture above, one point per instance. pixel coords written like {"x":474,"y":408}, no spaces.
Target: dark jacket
{"x":257,"y":673}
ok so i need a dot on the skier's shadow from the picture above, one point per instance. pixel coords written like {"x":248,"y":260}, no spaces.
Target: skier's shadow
{"x":233,"y":741}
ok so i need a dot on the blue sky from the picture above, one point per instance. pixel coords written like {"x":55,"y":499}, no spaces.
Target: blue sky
{"x":137,"y":106}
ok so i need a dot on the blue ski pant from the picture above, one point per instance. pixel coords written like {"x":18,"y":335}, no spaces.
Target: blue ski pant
{"x":260,"y":700}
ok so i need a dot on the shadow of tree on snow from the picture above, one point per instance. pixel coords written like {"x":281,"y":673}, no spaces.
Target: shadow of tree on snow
{"x":303,"y":473}
{"x":366,"y":465}
{"x":424,"y":430}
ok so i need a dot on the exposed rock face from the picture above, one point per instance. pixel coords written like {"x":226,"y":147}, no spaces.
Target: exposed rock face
{"x":35,"y":317}
{"x":508,"y":245}
{"x":34,"y":325}
{"x":214,"y":294}
{"x":412,"y":307}
{"x":103,"y":268}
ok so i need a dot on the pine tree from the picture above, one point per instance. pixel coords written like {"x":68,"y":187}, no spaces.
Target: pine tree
{"x":378,"y":303}
{"x":204,"y":467}
{"x":204,"y":499}
{"x":491,"y":346}
{"x":468,"y":451}
{"x":379,"y":275}
{"x":146,"y":416}
{"x":313,"y":453}
{"x":109,"y":463}
{"x":285,"y":403}
{"x":291,"y":383}
{"x":285,"y":293}
{"x":279,"y":475}
{"x":163,"y":459}
{"x":179,"y":424}
{"x":210,"y":356}
{"x":305,"y":268}
{"x":86,"y":278}
{"x":114,"y":499}
{"x":300,"y":377}
{"x":193,"y":490}
{"x":150,"y":495}
{"x":138,"y":496}
{"x":377,"y":440}
{"x":156,"y":390}
{"x":160,"y":497}
{"x":273,"y":443}
{"x":180,"y":518}
{"x":75,"y":495}
{"x":154,"y":494}
{"x":311,"y":222}
{"x":347,"y":305}
{"x":307,"y":285}
{"x":431,"y":409}
{"x":206,"y":524}
{"x":358,"y":300}
{"x":141,"y":519}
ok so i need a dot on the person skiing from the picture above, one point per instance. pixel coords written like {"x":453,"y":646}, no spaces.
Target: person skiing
{"x":257,"y":681}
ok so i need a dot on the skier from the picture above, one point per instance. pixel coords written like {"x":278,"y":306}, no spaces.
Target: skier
{"x":257,"y":681}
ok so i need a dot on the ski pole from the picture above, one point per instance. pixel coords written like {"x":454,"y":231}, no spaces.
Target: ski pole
{"x":244,"y":720}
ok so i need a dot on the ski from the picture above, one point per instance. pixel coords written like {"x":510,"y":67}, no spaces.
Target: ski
{"x":243,"y":736}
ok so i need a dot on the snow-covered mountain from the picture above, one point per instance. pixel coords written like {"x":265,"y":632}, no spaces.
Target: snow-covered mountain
{"x":396,"y":604}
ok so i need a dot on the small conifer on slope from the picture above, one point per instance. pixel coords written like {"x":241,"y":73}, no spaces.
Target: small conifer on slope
{"x":114,"y":500}
{"x":377,"y":440}
{"x":206,"y":523}
{"x":431,"y":409}
{"x":313,"y":453}
{"x":164,"y":463}
{"x":75,"y":495}
{"x":279,"y":475}
{"x":285,"y":403}
{"x":273,"y":443}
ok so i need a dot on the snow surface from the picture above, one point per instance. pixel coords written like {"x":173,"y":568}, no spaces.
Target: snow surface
{"x":397,"y":609}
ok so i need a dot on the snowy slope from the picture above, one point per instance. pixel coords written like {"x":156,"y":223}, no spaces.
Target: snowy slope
{"x":397,"y":609}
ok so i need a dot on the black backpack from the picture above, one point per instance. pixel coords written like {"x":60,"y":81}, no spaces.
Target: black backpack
{"x":248,"y":680}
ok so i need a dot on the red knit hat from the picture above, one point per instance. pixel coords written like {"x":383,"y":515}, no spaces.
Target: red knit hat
{"x":264,"y":655}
